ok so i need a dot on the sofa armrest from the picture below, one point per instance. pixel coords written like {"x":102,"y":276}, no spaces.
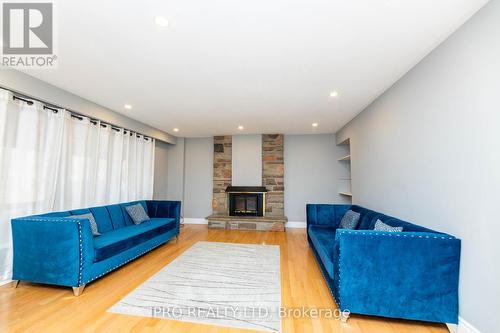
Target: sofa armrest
{"x":412,"y":275}
{"x":165,"y":209}
{"x":52,"y":250}
{"x":325,"y":214}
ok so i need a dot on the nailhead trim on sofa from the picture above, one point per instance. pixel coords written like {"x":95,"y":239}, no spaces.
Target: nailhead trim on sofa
{"x":390,"y":234}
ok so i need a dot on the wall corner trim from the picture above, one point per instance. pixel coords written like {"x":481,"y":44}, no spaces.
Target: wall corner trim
{"x":465,"y":327}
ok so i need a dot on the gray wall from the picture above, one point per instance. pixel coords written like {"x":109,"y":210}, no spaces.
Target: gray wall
{"x":169,"y":171}
{"x":184,"y":172}
{"x":312,"y":173}
{"x":247,"y":160}
{"x":428,"y":151}
{"x":33,"y":87}
{"x":198,"y":169}
{"x":160,"y":185}
{"x":175,"y":169}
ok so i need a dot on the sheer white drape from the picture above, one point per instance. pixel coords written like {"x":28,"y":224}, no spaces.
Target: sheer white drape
{"x":51,"y":161}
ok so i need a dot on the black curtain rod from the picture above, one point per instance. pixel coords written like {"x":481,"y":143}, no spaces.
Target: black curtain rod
{"x":24,"y":100}
{"x":76,"y":115}
{"x":51,"y":109}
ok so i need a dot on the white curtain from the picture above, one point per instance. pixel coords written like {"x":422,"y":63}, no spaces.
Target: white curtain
{"x":52,"y":161}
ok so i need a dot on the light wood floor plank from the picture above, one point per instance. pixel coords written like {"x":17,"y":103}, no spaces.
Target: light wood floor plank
{"x":41,"y":308}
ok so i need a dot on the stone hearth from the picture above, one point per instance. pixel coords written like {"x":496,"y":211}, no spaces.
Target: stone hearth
{"x":260,"y":223}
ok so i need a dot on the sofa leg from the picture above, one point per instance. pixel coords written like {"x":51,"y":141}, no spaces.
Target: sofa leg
{"x":453,"y":328}
{"x":15,"y":283}
{"x":77,"y":291}
{"x":177,"y":237}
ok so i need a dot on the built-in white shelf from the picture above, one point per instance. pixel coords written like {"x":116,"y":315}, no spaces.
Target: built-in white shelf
{"x":345,"y":162}
{"x":345,"y":142}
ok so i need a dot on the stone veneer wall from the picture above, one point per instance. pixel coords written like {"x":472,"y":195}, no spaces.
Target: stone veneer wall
{"x":273,"y":170}
{"x":222,"y":174}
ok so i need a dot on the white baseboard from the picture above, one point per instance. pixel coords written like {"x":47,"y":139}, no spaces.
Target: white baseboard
{"x":465,"y":327}
{"x":296,"y":225}
{"x":195,"y":220}
{"x":5,"y":282}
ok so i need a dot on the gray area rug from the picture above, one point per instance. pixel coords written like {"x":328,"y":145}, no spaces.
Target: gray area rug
{"x":234,"y":285}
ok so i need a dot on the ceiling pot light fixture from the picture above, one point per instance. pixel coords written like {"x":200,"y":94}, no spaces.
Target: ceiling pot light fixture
{"x":334,"y":93}
{"x":240,"y":127}
{"x":314,"y":124}
{"x":161,"y":21}
{"x":176,"y":130}
{"x":128,"y":106}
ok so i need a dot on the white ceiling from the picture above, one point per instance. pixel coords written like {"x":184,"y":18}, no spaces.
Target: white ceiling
{"x":268,"y":65}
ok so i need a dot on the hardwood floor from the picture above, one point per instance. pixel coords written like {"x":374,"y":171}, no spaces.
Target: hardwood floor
{"x":41,"y":308}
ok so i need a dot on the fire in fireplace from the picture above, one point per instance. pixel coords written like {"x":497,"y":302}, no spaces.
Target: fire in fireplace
{"x":246,"y":200}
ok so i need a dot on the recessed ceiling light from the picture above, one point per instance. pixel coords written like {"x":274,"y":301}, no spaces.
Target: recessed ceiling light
{"x":240,"y":127}
{"x":314,"y":124}
{"x":334,"y":93}
{"x":161,"y":21}
{"x":128,"y":106}
{"x":176,"y":130}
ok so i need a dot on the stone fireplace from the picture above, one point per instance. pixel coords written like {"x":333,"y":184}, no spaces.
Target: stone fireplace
{"x":248,"y":207}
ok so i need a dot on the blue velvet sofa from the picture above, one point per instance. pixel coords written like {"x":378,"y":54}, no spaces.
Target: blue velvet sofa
{"x":410,"y":275}
{"x":54,"y":250}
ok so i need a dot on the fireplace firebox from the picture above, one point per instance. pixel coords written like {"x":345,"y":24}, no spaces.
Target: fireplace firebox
{"x":246,"y":200}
